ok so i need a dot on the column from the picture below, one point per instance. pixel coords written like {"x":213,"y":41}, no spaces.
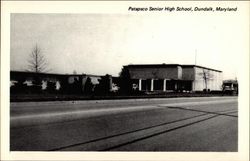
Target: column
{"x":139,"y":84}
{"x":193,"y":86}
{"x":164,"y":84}
{"x":152,"y":85}
{"x":175,"y":86}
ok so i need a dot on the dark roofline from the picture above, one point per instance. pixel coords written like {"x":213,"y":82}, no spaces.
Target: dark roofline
{"x":167,"y":65}
{"x":54,"y":74}
{"x":151,"y":65}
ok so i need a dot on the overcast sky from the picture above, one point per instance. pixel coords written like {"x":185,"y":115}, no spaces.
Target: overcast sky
{"x":103,"y":43}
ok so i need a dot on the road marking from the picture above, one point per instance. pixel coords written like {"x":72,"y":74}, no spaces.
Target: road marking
{"x":27,"y":120}
{"x":120,"y":109}
{"x":143,"y":130}
{"x":30,"y":104}
{"x":198,"y":103}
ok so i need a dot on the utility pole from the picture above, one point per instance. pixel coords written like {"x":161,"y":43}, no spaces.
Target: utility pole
{"x":195,"y":55}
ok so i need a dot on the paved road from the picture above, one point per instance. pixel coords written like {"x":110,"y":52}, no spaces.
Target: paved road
{"x":166,"y":124}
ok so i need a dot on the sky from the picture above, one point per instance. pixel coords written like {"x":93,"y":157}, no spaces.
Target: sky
{"x":102,"y":43}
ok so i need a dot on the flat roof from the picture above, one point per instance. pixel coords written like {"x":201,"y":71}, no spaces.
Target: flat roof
{"x":166,"y":65}
{"x":54,"y":74}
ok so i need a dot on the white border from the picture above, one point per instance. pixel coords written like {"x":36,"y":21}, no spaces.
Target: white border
{"x":121,"y":7}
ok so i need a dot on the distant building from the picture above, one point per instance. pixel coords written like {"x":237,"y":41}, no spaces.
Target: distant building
{"x":174,"y":77}
{"x":25,"y":82}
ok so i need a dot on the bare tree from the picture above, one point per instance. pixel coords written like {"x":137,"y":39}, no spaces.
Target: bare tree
{"x":37,"y":62}
{"x":206,"y":75}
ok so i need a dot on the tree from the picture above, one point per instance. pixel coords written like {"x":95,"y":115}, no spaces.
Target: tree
{"x":37,"y":62}
{"x":104,"y":86}
{"x":51,"y":86}
{"x":206,"y":75}
{"x":88,"y":88}
{"x":125,"y":83}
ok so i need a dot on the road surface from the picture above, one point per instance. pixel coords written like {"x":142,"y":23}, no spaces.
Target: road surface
{"x":164,"y":124}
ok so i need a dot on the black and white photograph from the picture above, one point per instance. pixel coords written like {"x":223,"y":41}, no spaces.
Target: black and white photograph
{"x":101,"y":77}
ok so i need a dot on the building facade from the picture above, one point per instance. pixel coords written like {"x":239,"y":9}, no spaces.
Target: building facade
{"x":30,"y":82}
{"x":174,"y":77}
